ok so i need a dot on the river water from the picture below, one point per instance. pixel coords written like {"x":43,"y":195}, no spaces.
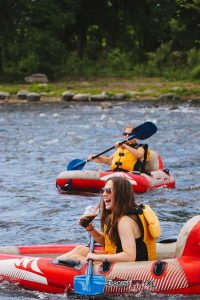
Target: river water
{"x":38,"y":141}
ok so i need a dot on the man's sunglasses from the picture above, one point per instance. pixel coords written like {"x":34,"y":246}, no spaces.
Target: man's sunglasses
{"x":107,"y":190}
{"x":127,"y":133}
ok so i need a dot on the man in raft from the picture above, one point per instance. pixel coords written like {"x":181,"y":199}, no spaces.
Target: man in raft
{"x":130,"y":156}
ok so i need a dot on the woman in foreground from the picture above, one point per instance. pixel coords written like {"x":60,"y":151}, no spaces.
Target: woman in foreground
{"x":123,"y":231}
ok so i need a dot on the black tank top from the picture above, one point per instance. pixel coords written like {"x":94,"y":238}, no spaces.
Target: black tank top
{"x":141,"y":248}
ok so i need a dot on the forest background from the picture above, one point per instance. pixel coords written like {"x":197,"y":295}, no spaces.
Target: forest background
{"x":100,"y":38}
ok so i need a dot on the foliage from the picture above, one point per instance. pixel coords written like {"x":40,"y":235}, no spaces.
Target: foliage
{"x":99,"y":38}
{"x":196,"y":72}
{"x":193,"y":57}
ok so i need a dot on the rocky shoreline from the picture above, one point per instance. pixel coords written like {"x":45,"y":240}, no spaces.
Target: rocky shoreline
{"x":37,"y":89}
{"x":104,"y":98}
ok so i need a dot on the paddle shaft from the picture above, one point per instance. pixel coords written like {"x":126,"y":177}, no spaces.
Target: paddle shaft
{"x":93,"y":157}
{"x":90,"y":265}
{"x":125,"y":141}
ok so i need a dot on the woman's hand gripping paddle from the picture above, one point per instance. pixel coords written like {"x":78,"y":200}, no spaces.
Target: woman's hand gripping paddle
{"x":89,"y":284}
{"x":140,"y":132}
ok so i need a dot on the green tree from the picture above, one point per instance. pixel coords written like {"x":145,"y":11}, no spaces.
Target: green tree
{"x":187,"y":25}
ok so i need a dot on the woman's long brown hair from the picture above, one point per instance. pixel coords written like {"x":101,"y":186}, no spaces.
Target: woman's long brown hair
{"x":124,"y":201}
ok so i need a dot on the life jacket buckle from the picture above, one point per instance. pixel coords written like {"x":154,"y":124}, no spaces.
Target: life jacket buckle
{"x":139,"y":209}
{"x":118,"y":163}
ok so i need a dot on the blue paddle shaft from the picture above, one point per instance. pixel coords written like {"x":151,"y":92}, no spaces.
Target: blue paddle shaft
{"x":89,"y":274}
{"x":90,"y":262}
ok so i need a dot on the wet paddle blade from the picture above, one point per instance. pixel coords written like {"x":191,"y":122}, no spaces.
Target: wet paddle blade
{"x":95,"y":286}
{"x":76,"y":164}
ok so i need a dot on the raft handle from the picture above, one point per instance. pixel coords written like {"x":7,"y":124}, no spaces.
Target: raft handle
{"x":68,"y":185}
{"x":166,"y":171}
{"x":105,"y":267}
{"x":159,"y":268}
{"x":148,"y":172}
{"x":135,"y":172}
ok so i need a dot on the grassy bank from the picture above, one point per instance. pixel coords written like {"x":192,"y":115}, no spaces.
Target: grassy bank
{"x":138,"y":88}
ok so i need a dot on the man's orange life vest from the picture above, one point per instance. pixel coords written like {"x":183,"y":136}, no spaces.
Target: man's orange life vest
{"x":125,"y":160}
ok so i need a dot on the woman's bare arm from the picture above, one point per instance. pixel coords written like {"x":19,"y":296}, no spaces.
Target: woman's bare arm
{"x":126,"y":232}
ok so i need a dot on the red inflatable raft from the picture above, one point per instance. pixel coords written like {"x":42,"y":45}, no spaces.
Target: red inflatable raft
{"x":92,"y":181}
{"x":176,"y":270}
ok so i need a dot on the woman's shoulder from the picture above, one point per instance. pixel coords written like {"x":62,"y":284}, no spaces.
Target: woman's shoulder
{"x":131,"y":219}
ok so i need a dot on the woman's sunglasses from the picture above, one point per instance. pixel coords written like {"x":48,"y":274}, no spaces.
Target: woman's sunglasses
{"x":107,"y":190}
{"x":127,"y":133}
